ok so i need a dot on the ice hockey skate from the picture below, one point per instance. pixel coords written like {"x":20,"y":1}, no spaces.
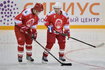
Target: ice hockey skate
{"x":62,"y":59}
{"x":19,"y":59}
{"x":29,"y":58}
{"x":44,"y":60}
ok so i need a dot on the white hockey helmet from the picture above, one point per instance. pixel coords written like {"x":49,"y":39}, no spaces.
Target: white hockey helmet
{"x":57,"y":5}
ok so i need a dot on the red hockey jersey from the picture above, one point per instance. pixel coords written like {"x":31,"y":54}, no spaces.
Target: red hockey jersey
{"x":58,"y":21}
{"x":27,"y":18}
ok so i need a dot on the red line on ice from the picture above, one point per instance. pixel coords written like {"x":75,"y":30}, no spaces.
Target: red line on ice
{"x":69,"y":52}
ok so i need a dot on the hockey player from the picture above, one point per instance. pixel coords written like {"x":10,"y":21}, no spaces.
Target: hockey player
{"x":57,"y":22}
{"x":25,"y":26}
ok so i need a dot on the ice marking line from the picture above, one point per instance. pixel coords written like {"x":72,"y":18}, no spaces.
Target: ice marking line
{"x":71,"y":51}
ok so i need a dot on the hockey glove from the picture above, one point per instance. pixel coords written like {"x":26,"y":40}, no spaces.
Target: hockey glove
{"x":67,"y":32}
{"x":34,"y":36}
{"x":33,"y":33}
{"x":50,"y":29}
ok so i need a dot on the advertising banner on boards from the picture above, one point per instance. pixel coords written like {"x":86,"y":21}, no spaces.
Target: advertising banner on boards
{"x":81,"y":12}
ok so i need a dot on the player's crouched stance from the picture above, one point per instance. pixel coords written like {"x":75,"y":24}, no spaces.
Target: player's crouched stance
{"x":25,"y":30}
{"x":56,"y":22}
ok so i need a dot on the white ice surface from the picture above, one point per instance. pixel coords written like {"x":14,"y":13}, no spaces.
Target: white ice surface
{"x":82,"y":57}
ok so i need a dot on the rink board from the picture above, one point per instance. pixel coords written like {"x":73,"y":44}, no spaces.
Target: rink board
{"x":71,"y":27}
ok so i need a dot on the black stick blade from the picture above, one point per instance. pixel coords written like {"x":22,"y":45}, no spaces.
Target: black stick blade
{"x":66,"y":64}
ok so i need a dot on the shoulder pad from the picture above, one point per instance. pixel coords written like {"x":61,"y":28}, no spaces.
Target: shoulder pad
{"x":65,"y":14}
{"x":26,"y":12}
{"x":51,"y":12}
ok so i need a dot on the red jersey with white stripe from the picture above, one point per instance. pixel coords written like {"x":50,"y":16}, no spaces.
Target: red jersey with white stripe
{"x":27,"y":18}
{"x":58,"y":21}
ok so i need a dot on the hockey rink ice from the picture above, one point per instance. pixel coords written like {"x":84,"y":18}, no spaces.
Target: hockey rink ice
{"x":82,"y":57}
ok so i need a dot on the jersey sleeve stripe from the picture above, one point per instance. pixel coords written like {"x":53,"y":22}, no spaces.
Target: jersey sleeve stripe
{"x":66,"y":27}
{"x":34,"y":26}
{"x":18,"y":21}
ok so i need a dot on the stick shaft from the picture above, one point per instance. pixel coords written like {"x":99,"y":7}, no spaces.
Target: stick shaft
{"x":83,"y":42}
{"x":48,"y":51}
{"x":77,"y":40}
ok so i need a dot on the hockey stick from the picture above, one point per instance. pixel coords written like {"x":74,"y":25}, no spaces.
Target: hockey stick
{"x":88,"y":43}
{"x":62,"y":64}
{"x":82,"y":41}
